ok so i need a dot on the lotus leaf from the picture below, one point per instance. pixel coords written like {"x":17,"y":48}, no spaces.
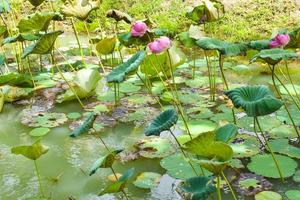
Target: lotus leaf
{"x":38,"y":132}
{"x":200,"y":126}
{"x":81,"y":9}
{"x":293,"y":194}
{"x":296,"y":177}
{"x":119,"y":73}
{"x":164,"y":121}
{"x":106,"y":46}
{"x":255,"y":100}
{"x":226,"y":133}
{"x":259,"y":44}
{"x":42,"y":46}
{"x":274,"y":56}
{"x":282,"y":146}
{"x":12,"y":94}
{"x":85,"y":126}
{"x":154,"y":147}
{"x":16,"y":79}
{"x":245,"y":146}
{"x":225,"y":48}
{"x":147,"y":180}
{"x":120,"y":184}
{"x":47,"y":120}
{"x":119,"y":16}
{"x":33,"y":152}
{"x":197,"y":188}
{"x":268,"y":195}
{"x":264,"y":165}
{"x":21,"y":38}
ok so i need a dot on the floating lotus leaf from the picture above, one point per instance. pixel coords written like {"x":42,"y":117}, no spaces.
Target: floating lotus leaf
{"x":255,"y":100}
{"x":81,"y":9}
{"x":106,"y":46}
{"x":226,"y":133}
{"x":37,"y":22}
{"x":247,"y":123}
{"x":85,"y":126}
{"x":21,"y":38}
{"x":265,"y":166}
{"x":42,"y":46}
{"x":259,"y":44}
{"x":119,"y":16}
{"x":245,"y":146}
{"x":12,"y":94}
{"x":296,"y":177}
{"x":274,"y":56}
{"x":200,"y":126}
{"x":164,"y":121}
{"x":120,"y":184}
{"x":119,"y":73}
{"x":33,"y":152}
{"x":16,"y":79}
{"x":147,"y":180}
{"x":268,"y":195}
{"x":293,"y":194}
{"x":38,"y":132}
{"x":36,"y":3}
{"x":178,"y":167}
{"x":47,"y":120}
{"x":205,"y":145}
{"x":225,"y":48}
{"x":130,"y":88}
{"x":282,"y":146}
{"x":282,"y":115}
{"x":196,"y":188}
{"x":104,"y":162}
{"x":154,"y":147}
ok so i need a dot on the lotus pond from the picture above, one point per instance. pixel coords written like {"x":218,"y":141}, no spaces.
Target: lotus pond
{"x":140,"y":112}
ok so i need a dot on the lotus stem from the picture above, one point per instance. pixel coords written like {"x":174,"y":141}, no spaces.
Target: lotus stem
{"x":271,"y":151}
{"x":39,"y":178}
{"x":115,"y":175}
{"x":229,"y":185}
{"x":211,"y":86}
{"x":291,"y":80}
{"x":89,"y":36}
{"x":255,"y":131}
{"x":194,"y":65}
{"x":115,"y":91}
{"x":219,"y":188}
{"x":77,"y":38}
{"x":285,"y":105}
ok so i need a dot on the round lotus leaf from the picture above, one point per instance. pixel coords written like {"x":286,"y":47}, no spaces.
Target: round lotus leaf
{"x":164,"y":121}
{"x":236,"y":163}
{"x":190,"y":98}
{"x":245,"y":146}
{"x":293,"y":194}
{"x":38,"y":132}
{"x":147,"y":180}
{"x":48,"y":120}
{"x":255,"y":100}
{"x":200,"y":82}
{"x":296,"y":177}
{"x":274,"y":56}
{"x":283,"y":131}
{"x":282,"y":146}
{"x":74,"y":115}
{"x":155,"y":147}
{"x":268,"y":195}
{"x":108,"y":96}
{"x":139,"y":99}
{"x":282,"y":115}
{"x":200,"y":126}
{"x":222,"y":117}
{"x":266,"y":122}
{"x":178,"y":167}
{"x":264,"y":165}
{"x":197,"y":188}
{"x":200,"y":113}
{"x":129,"y":88}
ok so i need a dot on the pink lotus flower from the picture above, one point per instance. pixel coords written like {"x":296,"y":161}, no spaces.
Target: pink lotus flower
{"x":279,"y":41}
{"x":161,"y":44}
{"x":138,"y":29}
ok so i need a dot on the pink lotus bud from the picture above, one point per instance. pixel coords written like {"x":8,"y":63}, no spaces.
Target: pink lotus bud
{"x":282,"y":39}
{"x":138,"y":29}
{"x":161,"y":44}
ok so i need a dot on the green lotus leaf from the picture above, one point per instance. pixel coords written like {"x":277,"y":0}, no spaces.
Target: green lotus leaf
{"x":293,"y":194}
{"x":85,"y":126}
{"x":205,"y":145}
{"x":164,"y":121}
{"x":81,"y":9}
{"x":38,"y":132}
{"x":12,"y":93}
{"x":119,"y":16}
{"x":186,"y":40}
{"x":20,"y":38}
{"x":104,"y":162}
{"x":120,"y":184}
{"x":196,"y":188}
{"x":43,"y":46}
{"x":225,"y":48}
{"x":106,"y":46}
{"x":154,"y":147}
{"x":33,"y":152}
{"x":274,"y":56}
{"x":45,"y":119}
{"x":264,"y":165}
{"x":37,"y":22}
{"x":255,"y":100}
{"x":247,"y":123}
{"x":16,"y":79}
{"x":159,"y":61}
{"x":119,"y":73}
{"x":178,"y":167}
{"x":226,"y":133}
{"x":36,"y":3}
{"x":87,"y":79}
{"x":282,"y":146}
{"x":259,"y":44}
{"x":247,"y":146}
{"x":214,"y":166}
{"x":200,"y":126}
{"x":268,"y":195}
{"x":147,"y":180}
{"x":4,"y":6}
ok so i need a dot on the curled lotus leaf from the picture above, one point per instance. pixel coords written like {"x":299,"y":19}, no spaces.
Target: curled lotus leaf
{"x":255,"y":100}
{"x":81,"y":9}
{"x":85,"y":126}
{"x":259,"y":44}
{"x":119,"y":16}
{"x":33,"y":152}
{"x":164,"y":121}
{"x":119,"y":73}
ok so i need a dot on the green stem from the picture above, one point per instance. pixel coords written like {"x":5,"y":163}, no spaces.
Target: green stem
{"x":219,"y":188}
{"x":211,"y":87}
{"x":39,"y":178}
{"x":229,"y":185}
{"x":285,"y":105}
{"x":115,"y":90}
{"x":194,"y":65}
{"x":124,"y":193}
{"x":269,"y":149}
{"x":77,"y":39}
{"x":291,"y":81}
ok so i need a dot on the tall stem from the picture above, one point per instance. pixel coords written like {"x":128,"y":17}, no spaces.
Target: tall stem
{"x":285,"y":105}
{"x":77,"y":38}
{"x":229,"y":185}
{"x":269,"y":149}
{"x":39,"y":178}
{"x":211,"y":86}
{"x":291,"y":80}
{"x":219,"y":188}
{"x":115,"y":175}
